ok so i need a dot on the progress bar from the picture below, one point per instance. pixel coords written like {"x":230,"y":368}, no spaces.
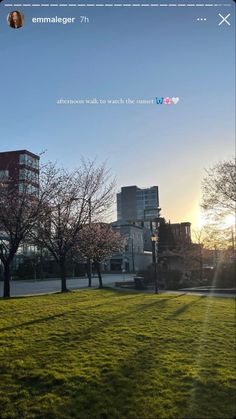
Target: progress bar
{"x":116,"y":5}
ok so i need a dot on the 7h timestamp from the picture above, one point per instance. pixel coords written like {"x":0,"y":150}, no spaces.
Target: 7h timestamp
{"x":84,"y":19}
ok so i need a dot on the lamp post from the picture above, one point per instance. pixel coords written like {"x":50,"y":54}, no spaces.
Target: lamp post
{"x":154,"y":260}
{"x":132,"y":252}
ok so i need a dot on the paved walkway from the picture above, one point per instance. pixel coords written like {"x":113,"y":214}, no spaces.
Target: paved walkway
{"x":24,"y":288}
{"x":21,"y":288}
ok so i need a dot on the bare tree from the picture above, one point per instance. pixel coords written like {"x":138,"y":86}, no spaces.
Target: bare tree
{"x":196,"y":251}
{"x":211,"y":238}
{"x":19,"y":212}
{"x":98,"y":242}
{"x":78,"y":197}
{"x":218,"y":237}
{"x":219,"y":189}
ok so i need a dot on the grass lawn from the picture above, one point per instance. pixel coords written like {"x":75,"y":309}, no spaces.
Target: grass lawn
{"x":116,"y":355}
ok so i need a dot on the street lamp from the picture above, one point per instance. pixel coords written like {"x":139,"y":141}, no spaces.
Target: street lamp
{"x":132,"y":252}
{"x":154,"y":260}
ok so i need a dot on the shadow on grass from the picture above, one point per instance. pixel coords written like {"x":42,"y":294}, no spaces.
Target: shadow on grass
{"x":139,"y":369}
{"x":140,"y":383}
{"x":185,"y":307}
{"x":143,"y":385}
{"x":76,"y":311}
{"x":158,"y":303}
{"x":103,"y":321}
{"x":28,"y":296}
{"x":36,"y":321}
{"x":87,"y":333}
{"x":117,"y":292}
{"x":111,"y":394}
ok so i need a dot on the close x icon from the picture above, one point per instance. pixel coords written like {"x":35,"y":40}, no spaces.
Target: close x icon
{"x":224,"y":19}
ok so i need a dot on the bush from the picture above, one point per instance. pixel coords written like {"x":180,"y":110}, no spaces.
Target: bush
{"x":148,"y":274}
{"x":173,"y":280}
{"x":167,"y":279}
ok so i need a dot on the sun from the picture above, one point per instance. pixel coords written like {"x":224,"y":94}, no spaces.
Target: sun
{"x":201,"y":220}
{"x":229,"y":220}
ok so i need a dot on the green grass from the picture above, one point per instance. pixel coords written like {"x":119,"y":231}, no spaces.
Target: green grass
{"x":114,"y":355}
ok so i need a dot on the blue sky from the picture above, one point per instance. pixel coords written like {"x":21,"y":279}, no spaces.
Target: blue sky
{"x":124,"y":52}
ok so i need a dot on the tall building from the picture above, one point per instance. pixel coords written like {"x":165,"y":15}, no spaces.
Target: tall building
{"x":20,"y":169}
{"x":138,"y":205}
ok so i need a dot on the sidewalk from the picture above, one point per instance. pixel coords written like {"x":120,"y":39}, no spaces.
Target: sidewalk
{"x":31,"y":287}
{"x":46,"y":286}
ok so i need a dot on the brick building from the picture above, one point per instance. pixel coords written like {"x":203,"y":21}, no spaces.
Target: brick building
{"x":20,"y":169}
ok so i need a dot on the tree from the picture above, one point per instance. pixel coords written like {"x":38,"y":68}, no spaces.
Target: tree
{"x":196,"y":250}
{"x":219,"y":204}
{"x":218,"y":237}
{"x":219,"y":189}
{"x":166,"y":237}
{"x":98,"y":242}
{"x":78,"y":197}
{"x":209,"y":241}
{"x":19,"y":213}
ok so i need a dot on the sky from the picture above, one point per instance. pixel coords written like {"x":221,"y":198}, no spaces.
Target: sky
{"x":123,"y":52}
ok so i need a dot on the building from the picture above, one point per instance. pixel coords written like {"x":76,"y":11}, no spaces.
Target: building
{"x":136,"y":205}
{"x":20,"y":169}
{"x":134,"y":258}
{"x":140,"y":207}
{"x":181,"y":233}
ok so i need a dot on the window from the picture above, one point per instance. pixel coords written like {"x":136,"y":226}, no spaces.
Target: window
{"x":22,"y":174}
{"x":26,"y":174}
{"x":29,"y":189}
{"x":4,"y":174}
{"x":22,"y":187}
{"x":29,"y":161}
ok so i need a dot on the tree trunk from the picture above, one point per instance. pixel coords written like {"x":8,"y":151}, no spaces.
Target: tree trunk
{"x":63,"y":277}
{"x":89,"y":271}
{"x":99,"y":274}
{"x":201,"y":266}
{"x":7,"y":277}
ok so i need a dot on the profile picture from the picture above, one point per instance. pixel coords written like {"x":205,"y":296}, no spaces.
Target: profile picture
{"x":15,"y":19}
